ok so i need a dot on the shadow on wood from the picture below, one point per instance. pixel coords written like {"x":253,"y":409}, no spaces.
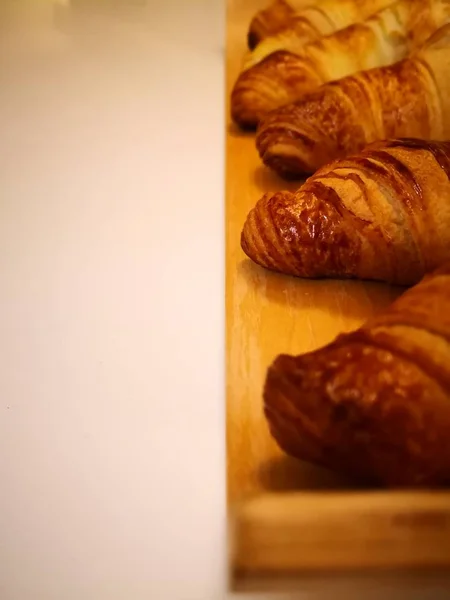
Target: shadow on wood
{"x":234,"y":131}
{"x":268,"y":181}
{"x":284,"y":473}
{"x":350,"y":298}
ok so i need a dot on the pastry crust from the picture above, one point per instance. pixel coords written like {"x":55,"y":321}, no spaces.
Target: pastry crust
{"x":375,"y":403}
{"x":287,"y":75}
{"x":383,"y":214}
{"x":315,"y":20}
{"x":270,"y":21}
{"x":408,"y":99}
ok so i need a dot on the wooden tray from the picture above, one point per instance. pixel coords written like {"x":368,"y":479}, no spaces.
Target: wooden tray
{"x":289,"y":517}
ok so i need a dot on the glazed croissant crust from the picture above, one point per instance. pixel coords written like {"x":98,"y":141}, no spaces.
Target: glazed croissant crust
{"x":313,"y":21}
{"x":408,"y":99}
{"x":375,"y":403}
{"x":383,"y":214}
{"x":284,"y":77}
{"x":270,"y":21}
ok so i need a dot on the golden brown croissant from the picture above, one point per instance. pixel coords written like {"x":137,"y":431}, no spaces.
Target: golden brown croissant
{"x":271,"y":20}
{"x":383,"y":39}
{"x":313,"y":22}
{"x":374,"y":403}
{"x":408,"y":99}
{"x":383,"y":214}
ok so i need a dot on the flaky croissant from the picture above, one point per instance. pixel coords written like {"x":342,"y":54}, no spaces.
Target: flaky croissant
{"x":374,"y":403}
{"x":313,"y":22}
{"x":272,"y":19}
{"x":408,"y":99}
{"x":383,"y":214}
{"x":284,"y":77}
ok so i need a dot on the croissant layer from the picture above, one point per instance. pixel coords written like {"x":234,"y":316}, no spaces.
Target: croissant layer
{"x":311,"y":23}
{"x":383,"y":214}
{"x":408,"y":99}
{"x":287,"y":74}
{"x":270,"y":21}
{"x":374,"y":403}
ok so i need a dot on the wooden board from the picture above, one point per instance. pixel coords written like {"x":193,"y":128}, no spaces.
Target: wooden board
{"x":267,"y":314}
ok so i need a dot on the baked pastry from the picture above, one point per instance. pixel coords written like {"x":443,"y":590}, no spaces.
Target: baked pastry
{"x":408,"y":99}
{"x":383,"y":214}
{"x":284,"y":77}
{"x":374,"y":403}
{"x":319,"y":18}
{"x":272,"y":19}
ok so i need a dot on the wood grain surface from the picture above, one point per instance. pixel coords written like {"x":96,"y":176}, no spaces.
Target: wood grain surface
{"x":268,"y":313}
{"x":290,"y":521}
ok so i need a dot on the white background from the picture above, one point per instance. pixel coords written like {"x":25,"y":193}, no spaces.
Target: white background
{"x":111,"y":294}
{"x":112,"y":460}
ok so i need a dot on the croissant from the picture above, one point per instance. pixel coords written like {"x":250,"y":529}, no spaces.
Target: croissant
{"x":307,"y":25}
{"x":272,"y":19}
{"x":284,"y":77}
{"x":374,"y":403}
{"x":408,"y":99}
{"x":383,"y":214}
